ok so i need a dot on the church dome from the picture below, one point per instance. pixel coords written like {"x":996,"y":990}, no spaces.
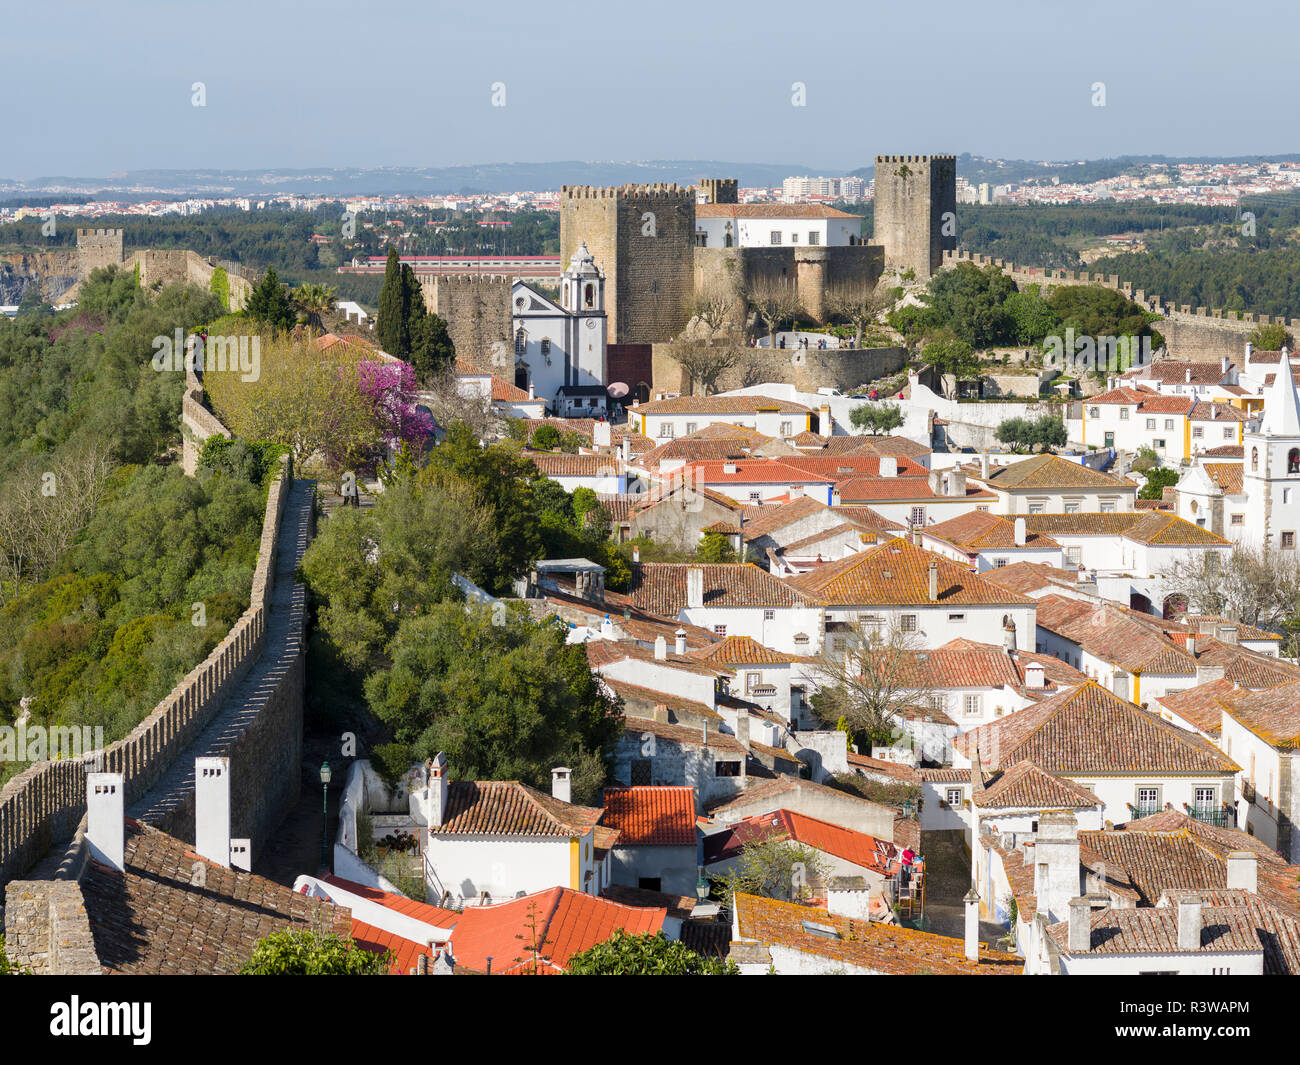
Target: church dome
{"x":582,"y":264}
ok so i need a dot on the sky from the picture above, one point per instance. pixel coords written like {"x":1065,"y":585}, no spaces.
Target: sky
{"x":94,"y":89}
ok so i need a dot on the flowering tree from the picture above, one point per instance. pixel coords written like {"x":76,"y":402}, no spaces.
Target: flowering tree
{"x":390,"y":389}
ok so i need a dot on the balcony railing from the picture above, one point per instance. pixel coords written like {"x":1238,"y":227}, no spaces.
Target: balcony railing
{"x":1143,"y":809}
{"x":1212,"y":815}
{"x":1248,"y":791}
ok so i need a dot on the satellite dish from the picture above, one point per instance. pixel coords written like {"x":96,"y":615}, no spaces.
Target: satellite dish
{"x":618,"y":390}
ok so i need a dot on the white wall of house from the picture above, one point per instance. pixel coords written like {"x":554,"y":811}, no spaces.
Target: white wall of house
{"x":1261,"y":766}
{"x":1065,"y":501}
{"x":777,"y":631}
{"x":607,"y":483}
{"x":663,"y":677}
{"x":1199,"y":963}
{"x":503,"y":866}
{"x":769,"y":423}
{"x":933,"y":509}
{"x":936,"y":624}
{"x":675,"y":868}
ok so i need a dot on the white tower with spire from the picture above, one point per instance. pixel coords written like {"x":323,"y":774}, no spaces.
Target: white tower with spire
{"x":1272,"y":467}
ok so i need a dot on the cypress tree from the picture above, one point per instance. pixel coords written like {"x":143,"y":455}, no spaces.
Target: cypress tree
{"x":392,"y":329}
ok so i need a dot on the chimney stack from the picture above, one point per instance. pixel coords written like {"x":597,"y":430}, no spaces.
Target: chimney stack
{"x":1056,"y":863}
{"x":679,"y":641}
{"x":1035,"y":676}
{"x":694,"y":588}
{"x":1208,"y":674}
{"x":972,"y":901}
{"x":438,"y":790}
{"x":934,"y":581}
{"x":1190,"y":644}
{"x":607,"y":628}
{"x":742,"y":728}
{"x":1008,"y":634}
{"x":1020,"y":532}
{"x":105,"y":823}
{"x":728,"y":467}
{"x":212,"y":809}
{"x":1080,"y":935}
{"x":562,"y":783}
{"x":636,"y":553}
{"x":1243,"y":871}
{"x":1189,"y":924}
{"x":888,"y":466}
{"x":1250,"y":348}
{"x":984,"y":466}
{"x":1228,"y":634}
{"x":825,"y":427}
{"x":661,"y":648}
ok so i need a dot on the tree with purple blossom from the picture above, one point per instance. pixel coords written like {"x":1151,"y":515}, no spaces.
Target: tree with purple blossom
{"x":389,"y":387}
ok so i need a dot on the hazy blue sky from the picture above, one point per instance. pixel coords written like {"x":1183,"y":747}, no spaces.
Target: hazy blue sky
{"x":93,"y":88}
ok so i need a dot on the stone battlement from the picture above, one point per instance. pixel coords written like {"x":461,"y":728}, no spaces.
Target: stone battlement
{"x":916,"y":159}
{"x":659,"y":190}
{"x":88,"y":234}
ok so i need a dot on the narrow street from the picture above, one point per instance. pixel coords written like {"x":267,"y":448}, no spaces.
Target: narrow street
{"x":948,"y":863}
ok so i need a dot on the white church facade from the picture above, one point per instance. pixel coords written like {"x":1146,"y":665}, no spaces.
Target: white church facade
{"x":560,"y":348}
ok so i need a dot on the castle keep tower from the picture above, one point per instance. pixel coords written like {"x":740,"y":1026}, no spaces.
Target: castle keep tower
{"x":913,"y":193}
{"x":642,"y":237}
{"x":720,"y":190}
{"x":96,"y":248}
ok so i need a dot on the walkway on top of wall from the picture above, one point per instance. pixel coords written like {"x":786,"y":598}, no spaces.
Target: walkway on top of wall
{"x":284,"y":643}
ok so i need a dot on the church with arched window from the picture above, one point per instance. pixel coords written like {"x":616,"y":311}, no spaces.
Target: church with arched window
{"x":560,"y":348}
{"x":1271,"y":467}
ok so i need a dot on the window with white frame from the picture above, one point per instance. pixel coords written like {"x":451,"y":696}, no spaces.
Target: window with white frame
{"x":1094,"y":412}
{"x":907,"y":623}
{"x":1198,"y":431}
{"x":1151,"y":423}
{"x":690,"y":427}
{"x":1108,"y":506}
{"x":1074,"y":555}
{"x":776,"y":236}
{"x":719,"y":630}
{"x":954,"y":796}
{"x":769,"y":615}
{"x":666,"y":429}
{"x":1228,"y":432}
{"x":972,"y":705}
{"x":1123,"y":414}
{"x":1169,"y":423}
{"x":787,"y":429}
{"x":918,"y":515}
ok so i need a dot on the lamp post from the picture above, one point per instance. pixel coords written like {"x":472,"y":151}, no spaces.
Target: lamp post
{"x":702,"y":886}
{"x":325,"y":774}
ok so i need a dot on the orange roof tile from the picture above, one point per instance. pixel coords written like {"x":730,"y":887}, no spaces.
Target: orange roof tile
{"x":651,"y":815}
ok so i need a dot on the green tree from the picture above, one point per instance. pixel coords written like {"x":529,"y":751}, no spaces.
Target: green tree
{"x":953,"y":356}
{"x":1157,"y":481}
{"x":305,"y":953}
{"x":715,"y":547}
{"x":969,"y":299}
{"x":313,"y":302}
{"x":1031,"y":316}
{"x":546,"y":437}
{"x":392,"y":327}
{"x":1271,"y":337}
{"x":876,"y":418}
{"x":650,"y":954}
{"x":268,"y":303}
{"x":219,"y":286}
{"x":1049,"y":432}
{"x":1145,"y":459}
{"x":774,"y":868}
{"x":505,"y":697}
{"x":432,"y":350}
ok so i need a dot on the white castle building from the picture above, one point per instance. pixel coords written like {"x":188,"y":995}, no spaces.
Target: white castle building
{"x":560,"y":348}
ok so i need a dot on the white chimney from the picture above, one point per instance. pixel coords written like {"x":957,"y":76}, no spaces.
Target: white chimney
{"x":728,"y":467}
{"x":742,"y":727}
{"x":888,"y":466}
{"x":661,"y":649}
{"x":1080,"y":934}
{"x":1056,"y":863}
{"x":825,"y":427}
{"x":972,"y":901}
{"x":679,"y":641}
{"x":438,"y":790}
{"x":1189,"y":924}
{"x":636,"y":553}
{"x":1009,"y":634}
{"x":1020,"y":532}
{"x":600,"y":434}
{"x":212,"y":809}
{"x":694,"y":588}
{"x":1035,"y":675}
{"x":105,"y":823}
{"x":1243,"y":871}
{"x":984,"y":466}
{"x":934,"y":581}
{"x":607,"y":628}
{"x":1228,"y":633}
{"x":1249,"y":350}
{"x":562,"y":783}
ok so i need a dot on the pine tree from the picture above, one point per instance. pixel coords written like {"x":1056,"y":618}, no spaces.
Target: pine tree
{"x":431,"y":347}
{"x":268,"y":303}
{"x":391,"y":328}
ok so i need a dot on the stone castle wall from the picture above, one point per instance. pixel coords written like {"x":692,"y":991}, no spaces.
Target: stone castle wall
{"x":844,"y":369}
{"x":648,"y":278}
{"x":43,"y":805}
{"x":96,"y":248}
{"x":477,"y":312}
{"x":1197,"y":333}
{"x":912,"y":195}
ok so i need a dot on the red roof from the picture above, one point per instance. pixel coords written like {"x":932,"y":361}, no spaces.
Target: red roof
{"x":421,"y":911}
{"x":559,"y":922}
{"x":647,"y":815}
{"x":406,"y":952}
{"x":856,"y":847}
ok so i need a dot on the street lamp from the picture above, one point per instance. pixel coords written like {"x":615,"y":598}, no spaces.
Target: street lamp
{"x":702,"y":886}
{"x":325,"y":774}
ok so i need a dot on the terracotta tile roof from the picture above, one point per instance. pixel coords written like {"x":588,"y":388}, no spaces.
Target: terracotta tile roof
{"x":720,"y":405}
{"x":898,"y":446}
{"x":773,"y":792}
{"x":617,"y":506}
{"x":1124,"y":394}
{"x":1229,"y":476}
{"x":907,"y":489}
{"x":1273,"y":715}
{"x":689,"y":737}
{"x":504,"y":391}
{"x":1147,"y":527}
{"x":725,"y":528}
{"x":867,"y":518}
{"x":881,"y":948}
{"x":1175,"y":372}
{"x":1278,"y":931}
{"x":1220,"y":412}
{"x":897,"y":572}
{"x":691,"y":449}
{"x":1146,"y":930}
{"x":856,"y":464}
{"x":558,"y":464}
{"x":744,"y":651}
{"x":660,"y":587}
{"x":1153,"y":504}
{"x":1166,"y":405}
{"x":603,"y":652}
{"x":1226,"y":451}
{"x":651,"y":816}
{"x":1200,"y":705}
{"x":726,"y":431}
{"x":152,"y":919}
{"x":754,"y":471}
{"x":405,"y":952}
{"x":420,"y":911}
{"x":507,"y":807}
{"x":1024,"y":577}
{"x":772,"y":518}
{"x":776,"y":211}
{"x":1109,"y":633}
{"x":1244,"y":631}
{"x":899,"y":771}
{"x":1244,"y":667}
{"x":1052,"y":471}
{"x":1060,"y":734}
{"x":981,"y":531}
{"x":1027,"y":787}
{"x":561,"y":922}
{"x":855,"y":533}
{"x":867,"y":852}
{"x":636,"y":698}
{"x":680,"y":906}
